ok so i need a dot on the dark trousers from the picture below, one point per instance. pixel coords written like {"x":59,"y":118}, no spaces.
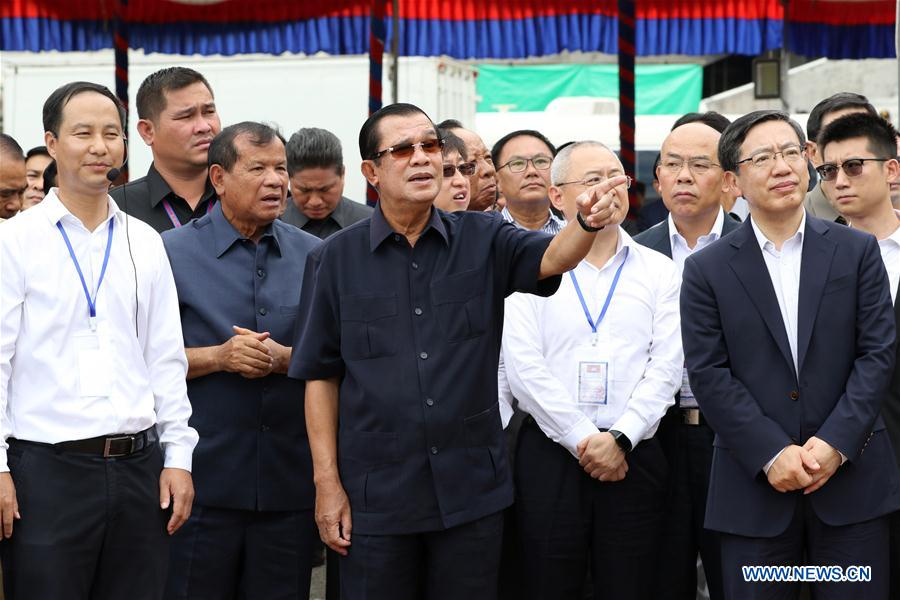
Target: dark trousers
{"x":689,"y":451}
{"x":459,"y":563}
{"x":511,"y":576}
{"x":809,"y":541}
{"x":221,"y":554}
{"x":895,"y":555}
{"x":91,"y":527}
{"x":571,"y":524}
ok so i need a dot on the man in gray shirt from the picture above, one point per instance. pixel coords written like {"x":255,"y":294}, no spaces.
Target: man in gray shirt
{"x":315,"y":166}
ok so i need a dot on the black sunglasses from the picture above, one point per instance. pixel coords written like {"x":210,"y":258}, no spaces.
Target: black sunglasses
{"x":429,"y":146}
{"x":852,"y":167}
{"x":467,"y":169}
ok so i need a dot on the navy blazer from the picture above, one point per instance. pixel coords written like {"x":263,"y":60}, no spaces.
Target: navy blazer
{"x":743,"y":375}
{"x":657,"y":237}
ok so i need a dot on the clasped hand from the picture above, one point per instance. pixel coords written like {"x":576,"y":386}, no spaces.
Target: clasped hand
{"x":806,"y":467}
{"x":601,"y":457}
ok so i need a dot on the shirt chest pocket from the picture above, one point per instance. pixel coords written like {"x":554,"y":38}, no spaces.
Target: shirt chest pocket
{"x":368,"y":326}
{"x":459,"y":302}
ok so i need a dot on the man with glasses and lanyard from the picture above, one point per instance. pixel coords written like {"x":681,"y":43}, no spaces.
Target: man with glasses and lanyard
{"x":788,"y":337}
{"x":858,"y":166}
{"x":522,"y":159}
{"x":178,"y":120}
{"x":398,"y":341}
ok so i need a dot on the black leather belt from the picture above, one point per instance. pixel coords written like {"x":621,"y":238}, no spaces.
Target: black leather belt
{"x":108,"y":446}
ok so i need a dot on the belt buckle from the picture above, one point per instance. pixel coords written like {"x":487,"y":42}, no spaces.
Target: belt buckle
{"x":108,"y":451}
{"x":690,"y":416}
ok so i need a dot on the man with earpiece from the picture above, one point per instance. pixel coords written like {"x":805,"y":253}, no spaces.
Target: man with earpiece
{"x":96,"y":449}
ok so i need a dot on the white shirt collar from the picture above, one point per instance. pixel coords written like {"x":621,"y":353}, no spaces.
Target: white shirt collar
{"x":55,"y":210}
{"x":714,"y":233}
{"x":894,"y":238}
{"x":762,"y":240}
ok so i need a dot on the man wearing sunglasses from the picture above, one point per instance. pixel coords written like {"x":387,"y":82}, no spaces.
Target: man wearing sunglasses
{"x":398,"y":340}
{"x":789,"y":344}
{"x":483,"y":182}
{"x":859,"y":165}
{"x":523,"y":161}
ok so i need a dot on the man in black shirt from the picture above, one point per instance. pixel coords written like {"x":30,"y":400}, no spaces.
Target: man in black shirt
{"x":315,"y":165}
{"x":398,"y":339}
{"x":178,"y":120}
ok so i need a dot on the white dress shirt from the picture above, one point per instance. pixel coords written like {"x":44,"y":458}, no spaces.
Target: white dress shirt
{"x":640,"y":335}
{"x":890,"y":254}
{"x":44,"y":317}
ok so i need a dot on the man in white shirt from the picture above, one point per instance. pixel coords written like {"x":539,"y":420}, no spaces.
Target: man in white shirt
{"x":96,"y":451}
{"x":595,"y":366}
{"x":789,"y":344}
{"x":692,"y":185}
{"x":858,"y":167}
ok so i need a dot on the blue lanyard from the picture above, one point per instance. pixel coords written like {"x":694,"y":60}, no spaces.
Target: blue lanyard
{"x":92,"y":302}
{"x":612,"y":290}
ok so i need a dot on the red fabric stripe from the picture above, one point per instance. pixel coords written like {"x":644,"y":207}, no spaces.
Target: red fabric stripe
{"x":848,"y":12}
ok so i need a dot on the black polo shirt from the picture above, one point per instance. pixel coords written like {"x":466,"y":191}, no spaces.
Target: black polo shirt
{"x":143,"y":199}
{"x":346,"y":213}
{"x":414,"y":333}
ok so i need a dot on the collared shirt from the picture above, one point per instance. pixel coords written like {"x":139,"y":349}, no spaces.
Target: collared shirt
{"x":680,"y":248}
{"x":346,"y":213}
{"x":741,"y":209}
{"x":44,"y":313}
{"x":254,"y":426}
{"x":414,"y":335}
{"x":553,"y":225}
{"x":890,"y":254}
{"x":640,"y":334}
{"x":145,"y":198}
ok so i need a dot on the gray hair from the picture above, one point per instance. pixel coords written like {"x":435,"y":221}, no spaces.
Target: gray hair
{"x":559,"y":170}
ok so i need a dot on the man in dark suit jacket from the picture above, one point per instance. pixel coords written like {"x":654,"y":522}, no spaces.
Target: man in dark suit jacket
{"x":789,"y":341}
{"x":692,"y":186}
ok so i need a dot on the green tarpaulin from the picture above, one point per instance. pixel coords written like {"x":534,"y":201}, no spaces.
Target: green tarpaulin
{"x":660,"y":89}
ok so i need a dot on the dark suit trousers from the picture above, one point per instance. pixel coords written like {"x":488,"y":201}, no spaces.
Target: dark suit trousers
{"x":459,"y":563}
{"x":689,"y":451}
{"x":91,"y":527}
{"x":809,"y":541}
{"x":895,"y":555}
{"x":220,"y":554}
{"x":571,"y":524}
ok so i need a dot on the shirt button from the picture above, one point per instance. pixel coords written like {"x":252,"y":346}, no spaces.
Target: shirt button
{"x":434,"y":450}
{"x":423,"y":355}
{"x":263,"y":427}
{"x":418,"y":311}
{"x":429,"y":401}
{"x":415,"y":265}
{"x":261,"y":272}
{"x":396,"y":238}
{"x":263,"y":311}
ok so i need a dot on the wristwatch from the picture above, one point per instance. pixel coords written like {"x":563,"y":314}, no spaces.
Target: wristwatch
{"x":585,"y":226}
{"x":622,"y":440}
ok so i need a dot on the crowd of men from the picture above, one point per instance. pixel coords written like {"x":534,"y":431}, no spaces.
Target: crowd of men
{"x":491,"y":385}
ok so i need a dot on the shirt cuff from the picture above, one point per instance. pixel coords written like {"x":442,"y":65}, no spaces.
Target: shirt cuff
{"x":506,"y":412}
{"x":584,"y":428}
{"x":632,"y":426}
{"x":769,"y":464}
{"x":178,"y":457}
{"x":4,"y":468}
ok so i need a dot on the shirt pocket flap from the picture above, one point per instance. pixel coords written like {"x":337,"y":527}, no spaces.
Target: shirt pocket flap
{"x":458,"y":287}
{"x":368,"y":307}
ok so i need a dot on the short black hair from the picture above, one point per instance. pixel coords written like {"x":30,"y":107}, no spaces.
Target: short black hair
{"x":736,"y":133}
{"x":880,"y":135}
{"x":37,"y":151}
{"x":839,"y":101}
{"x":450,"y":124}
{"x":50,"y":177}
{"x":369,"y":136}
{"x":222,"y":150}
{"x":53,"y":107}
{"x":311,"y":148}
{"x":656,"y":162}
{"x":452,"y":143}
{"x":498,"y":147}
{"x":709,"y":118}
{"x":151,"y":96}
{"x":10,"y":148}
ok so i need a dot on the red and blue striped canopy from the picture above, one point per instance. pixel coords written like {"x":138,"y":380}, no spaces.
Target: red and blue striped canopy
{"x":466,"y":29}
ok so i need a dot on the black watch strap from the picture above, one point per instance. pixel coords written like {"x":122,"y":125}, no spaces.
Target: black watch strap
{"x":622,"y":440}
{"x":585,"y":226}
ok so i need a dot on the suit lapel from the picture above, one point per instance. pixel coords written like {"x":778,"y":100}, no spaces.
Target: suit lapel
{"x":750,"y":267}
{"x":818,"y":252}
{"x":661,"y":241}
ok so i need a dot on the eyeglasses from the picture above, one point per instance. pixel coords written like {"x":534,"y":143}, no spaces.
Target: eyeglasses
{"x":517,"y":165}
{"x":466,"y":169}
{"x":766,"y":159}
{"x":852,"y":167}
{"x":697,"y":166}
{"x":429,"y":146}
{"x":594,"y":180}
